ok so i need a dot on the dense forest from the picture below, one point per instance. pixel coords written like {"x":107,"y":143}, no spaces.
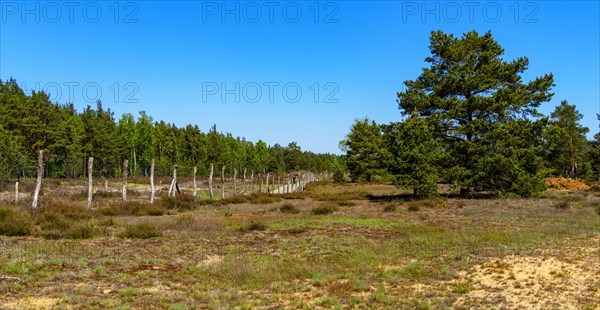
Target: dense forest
{"x":30,"y":122}
{"x":472,"y":122}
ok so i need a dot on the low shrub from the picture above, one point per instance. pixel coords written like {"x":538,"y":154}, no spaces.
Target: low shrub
{"x":345,"y":203}
{"x":134,"y":208}
{"x":288,"y":208}
{"x":562,"y":204}
{"x":261,"y":198}
{"x":141,"y":231}
{"x":252,"y":226}
{"x":324,"y":210}
{"x":81,"y":231}
{"x":14,"y":222}
{"x":413,"y":208}
{"x":390,"y":207}
{"x":178,"y":202}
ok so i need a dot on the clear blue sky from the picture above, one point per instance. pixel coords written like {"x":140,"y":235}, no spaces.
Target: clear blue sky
{"x":177,"y":56}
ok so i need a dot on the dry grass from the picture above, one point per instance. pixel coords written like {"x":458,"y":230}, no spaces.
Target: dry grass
{"x":273,"y":252}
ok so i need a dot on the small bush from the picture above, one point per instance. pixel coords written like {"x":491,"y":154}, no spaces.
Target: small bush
{"x":323,"y":210}
{"x":141,"y":231}
{"x":14,"y":222}
{"x":346,"y":204}
{"x":288,"y":208}
{"x":178,"y":202}
{"x":297,"y":230}
{"x":252,"y":226}
{"x":261,"y":198}
{"x":227,"y":213}
{"x":81,"y":231}
{"x":562,"y":204}
{"x":390,"y":207}
{"x":413,"y":208}
{"x":297,"y":195}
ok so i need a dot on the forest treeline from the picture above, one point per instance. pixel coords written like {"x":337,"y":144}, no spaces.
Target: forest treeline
{"x":472,"y":122}
{"x":30,"y":122}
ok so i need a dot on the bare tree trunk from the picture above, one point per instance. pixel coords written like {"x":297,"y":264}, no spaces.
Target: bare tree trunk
{"x":125,"y":172}
{"x":267,"y":186}
{"x":278,"y":184}
{"x":174,"y":185}
{"x":244,"y":183}
{"x":252,"y":178}
{"x":194,"y":181}
{"x":210,"y":183}
{"x":16,"y":192}
{"x":234,"y":181}
{"x":90,"y":181}
{"x":38,"y":181}
{"x":105,"y":184}
{"x":223,"y":183}
{"x":152,"y":181}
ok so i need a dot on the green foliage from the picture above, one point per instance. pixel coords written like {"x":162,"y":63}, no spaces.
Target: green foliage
{"x":14,"y":222}
{"x":415,"y":155}
{"x":566,"y":145}
{"x":141,"y":231}
{"x":484,"y":115}
{"x":32,"y":122}
{"x":288,"y":208}
{"x":365,"y":150}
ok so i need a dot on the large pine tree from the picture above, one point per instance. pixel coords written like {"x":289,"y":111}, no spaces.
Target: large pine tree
{"x":486,"y":115}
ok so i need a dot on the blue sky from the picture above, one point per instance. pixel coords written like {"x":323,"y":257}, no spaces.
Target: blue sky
{"x":186,"y":62}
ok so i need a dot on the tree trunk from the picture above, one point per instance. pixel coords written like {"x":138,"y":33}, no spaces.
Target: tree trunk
{"x":267,"y":185}
{"x":152,"y":181}
{"x":223,"y":183}
{"x":244,"y":183}
{"x":16,"y":192}
{"x":210,"y":181}
{"x":105,"y":184}
{"x":38,"y":181}
{"x":90,"y":181}
{"x":174,"y":185}
{"x":252,"y":178}
{"x":194,"y":182}
{"x":278,"y":184}
{"x":234,"y":183}
{"x":125,"y":173}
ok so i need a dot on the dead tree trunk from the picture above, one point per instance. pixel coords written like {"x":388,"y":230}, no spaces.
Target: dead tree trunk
{"x":38,"y":181}
{"x":223,"y":183}
{"x":234,"y":181}
{"x":17,"y":192}
{"x":210,"y":183}
{"x":105,"y":184}
{"x":152,"y":181}
{"x":90,"y":181}
{"x":125,"y":172}
{"x":252,"y":178}
{"x":267,"y":184}
{"x":278,"y":184}
{"x":174,"y":187}
{"x":194,"y":181}
{"x":244,"y":183}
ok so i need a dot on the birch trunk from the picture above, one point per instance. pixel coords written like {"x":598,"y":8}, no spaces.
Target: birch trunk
{"x":234,"y":181}
{"x":210,"y":183}
{"x":125,"y":172}
{"x":223,"y":183}
{"x":252,"y":178}
{"x":16,"y":192}
{"x":194,"y":181}
{"x":38,"y":181}
{"x":152,"y":181}
{"x":90,"y":181}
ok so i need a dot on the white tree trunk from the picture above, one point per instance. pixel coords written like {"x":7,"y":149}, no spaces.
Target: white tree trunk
{"x":252,"y":178}
{"x":105,"y":184}
{"x":38,"y":181}
{"x":194,"y":182}
{"x":210,"y":181}
{"x":234,"y":181}
{"x":173,"y":187}
{"x":152,"y":181}
{"x":124,"y":184}
{"x":278,"y":184}
{"x":16,"y":192}
{"x":267,"y":186}
{"x":244,"y":184}
{"x":223,"y":183}
{"x":90,"y":181}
